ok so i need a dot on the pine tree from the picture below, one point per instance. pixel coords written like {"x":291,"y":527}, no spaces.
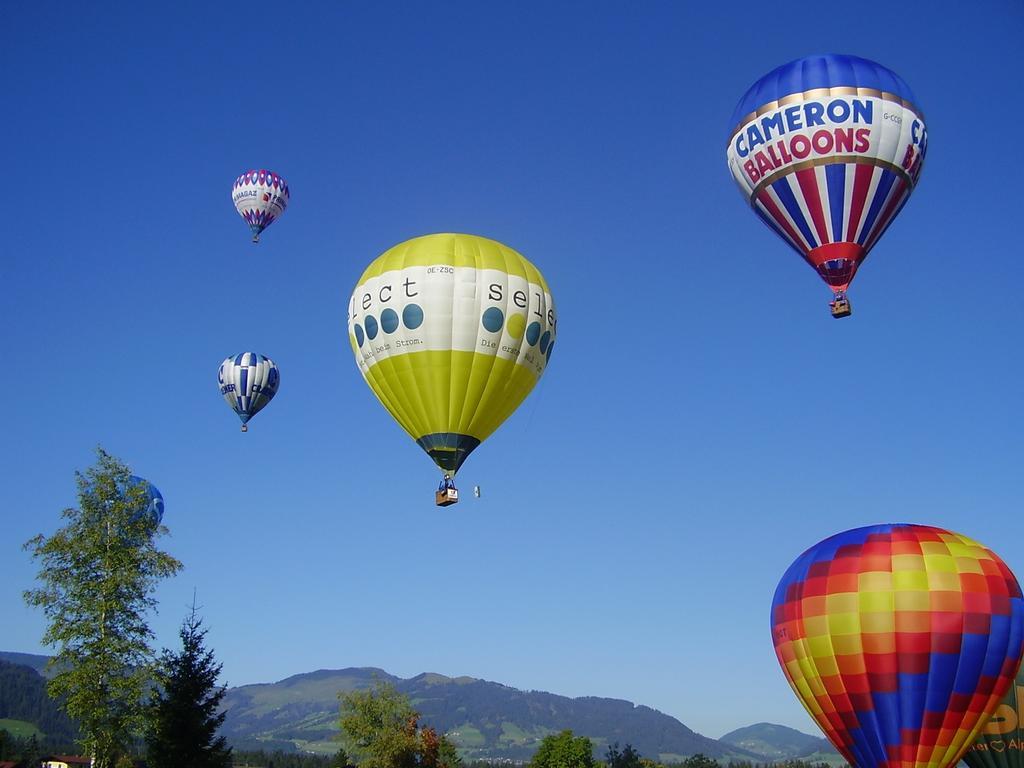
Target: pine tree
{"x":183,"y":710}
{"x":97,"y":576}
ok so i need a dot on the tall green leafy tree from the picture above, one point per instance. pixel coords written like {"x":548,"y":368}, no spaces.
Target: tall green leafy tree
{"x":96,"y":579}
{"x":564,"y":750}
{"x":380,"y":729}
{"x":183,"y":717}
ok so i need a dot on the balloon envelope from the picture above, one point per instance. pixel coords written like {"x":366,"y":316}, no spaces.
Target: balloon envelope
{"x":260,"y":197}
{"x":827,"y":149}
{"x":1001,"y":743}
{"x":451,"y":332}
{"x":155,"y":501}
{"x":899,"y":640}
{"x":248,"y":382}
{"x":152,"y":506}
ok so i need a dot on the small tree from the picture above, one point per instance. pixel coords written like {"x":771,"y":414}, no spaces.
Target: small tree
{"x":700,"y":761}
{"x":183,"y":717}
{"x":31,"y":752}
{"x":626,"y":758}
{"x":98,"y":573}
{"x":563,"y":750}
{"x":436,"y":751}
{"x":340,"y":759}
{"x":447,"y":755}
{"x":380,"y":729}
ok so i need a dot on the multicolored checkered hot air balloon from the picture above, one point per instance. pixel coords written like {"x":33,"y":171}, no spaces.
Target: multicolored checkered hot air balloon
{"x":1001,"y":743}
{"x":827,"y":150}
{"x":900,"y":640}
{"x":260,"y":197}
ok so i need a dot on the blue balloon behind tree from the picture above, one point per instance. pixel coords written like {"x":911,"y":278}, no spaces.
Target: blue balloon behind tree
{"x":151,"y":507}
{"x":154,"y":508}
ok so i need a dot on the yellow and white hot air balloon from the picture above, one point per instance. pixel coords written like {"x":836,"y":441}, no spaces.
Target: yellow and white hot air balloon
{"x":451,"y":332}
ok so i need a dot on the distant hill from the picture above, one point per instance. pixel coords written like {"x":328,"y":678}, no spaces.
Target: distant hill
{"x":33,"y":660}
{"x":777,"y":742}
{"x":24,"y":702}
{"x":486,"y":719}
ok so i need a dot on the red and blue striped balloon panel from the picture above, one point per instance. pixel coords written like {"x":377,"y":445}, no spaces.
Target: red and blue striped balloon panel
{"x":899,"y":640}
{"x":855,"y":205}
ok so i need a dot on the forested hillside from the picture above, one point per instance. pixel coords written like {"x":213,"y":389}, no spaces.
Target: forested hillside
{"x":23,"y":697}
{"x":486,"y":720}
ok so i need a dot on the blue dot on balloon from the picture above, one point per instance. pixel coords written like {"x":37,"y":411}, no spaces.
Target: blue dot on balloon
{"x":359,"y":335}
{"x":551,"y":346}
{"x":389,"y":320}
{"x":533,"y":333}
{"x":493,"y":319}
{"x":371,"y":327}
{"x":544,"y":341}
{"x":412,"y":316}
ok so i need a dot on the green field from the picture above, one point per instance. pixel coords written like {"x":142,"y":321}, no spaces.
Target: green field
{"x":20,"y":729}
{"x":329,"y":747}
{"x":831,"y":758}
{"x":467,"y":736}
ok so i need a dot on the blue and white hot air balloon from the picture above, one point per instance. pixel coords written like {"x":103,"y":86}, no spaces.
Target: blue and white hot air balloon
{"x":260,"y":197}
{"x":248,"y":382}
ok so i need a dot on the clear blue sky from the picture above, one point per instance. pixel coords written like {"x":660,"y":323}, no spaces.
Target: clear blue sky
{"x":703,"y":422}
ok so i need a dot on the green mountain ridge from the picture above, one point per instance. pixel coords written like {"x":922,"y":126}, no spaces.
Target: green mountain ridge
{"x":487,"y":720}
{"x":778,"y":742}
{"x":32,"y":660}
{"x":25,"y":702}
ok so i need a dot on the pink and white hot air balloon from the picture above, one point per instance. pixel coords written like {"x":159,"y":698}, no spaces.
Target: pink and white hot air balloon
{"x":260,"y":198}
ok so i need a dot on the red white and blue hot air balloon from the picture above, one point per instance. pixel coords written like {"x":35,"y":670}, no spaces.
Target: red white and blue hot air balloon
{"x":260,"y":198}
{"x":827,"y":150}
